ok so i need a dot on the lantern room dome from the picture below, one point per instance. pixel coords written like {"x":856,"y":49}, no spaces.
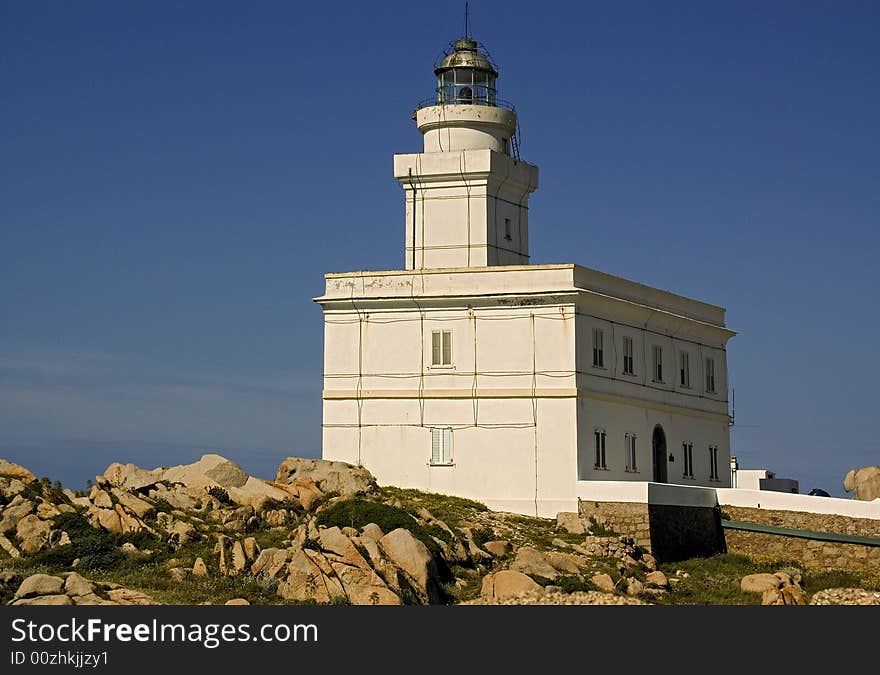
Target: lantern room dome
{"x":467,"y":53}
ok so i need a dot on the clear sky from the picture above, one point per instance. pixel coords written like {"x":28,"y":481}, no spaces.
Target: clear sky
{"x":175,"y":178}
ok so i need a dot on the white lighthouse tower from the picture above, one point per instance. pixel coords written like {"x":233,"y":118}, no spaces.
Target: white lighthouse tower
{"x":473,"y":372}
{"x":467,"y":193}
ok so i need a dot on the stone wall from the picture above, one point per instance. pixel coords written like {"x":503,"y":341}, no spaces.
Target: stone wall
{"x":668,"y":532}
{"x":626,"y":518}
{"x":811,"y":553}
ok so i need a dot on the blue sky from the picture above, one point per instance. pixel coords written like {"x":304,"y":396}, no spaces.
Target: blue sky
{"x":175,"y":178}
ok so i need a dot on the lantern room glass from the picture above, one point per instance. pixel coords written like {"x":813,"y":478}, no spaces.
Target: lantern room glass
{"x":466,"y":86}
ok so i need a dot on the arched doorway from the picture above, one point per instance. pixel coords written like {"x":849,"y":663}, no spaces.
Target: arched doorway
{"x":658,"y":443}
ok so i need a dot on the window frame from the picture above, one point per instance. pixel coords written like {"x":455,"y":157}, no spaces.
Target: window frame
{"x":684,"y":359}
{"x":599,"y":444}
{"x":442,"y":349}
{"x":710,"y":375}
{"x":713,"y":463}
{"x":688,"y":451}
{"x":441,"y":437}
{"x":628,"y":358}
{"x":630,"y":453}
{"x":657,"y":354}
{"x":598,"y":347}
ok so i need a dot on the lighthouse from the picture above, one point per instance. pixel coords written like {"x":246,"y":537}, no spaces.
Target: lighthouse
{"x":467,"y":193}
{"x":473,"y":371}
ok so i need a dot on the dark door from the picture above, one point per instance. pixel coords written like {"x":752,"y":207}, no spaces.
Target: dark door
{"x":659,"y":445}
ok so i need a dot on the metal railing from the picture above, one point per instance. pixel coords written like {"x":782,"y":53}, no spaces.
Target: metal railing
{"x":496,"y":103}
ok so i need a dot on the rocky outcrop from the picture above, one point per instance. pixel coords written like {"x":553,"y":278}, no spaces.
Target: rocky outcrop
{"x":16,"y":472}
{"x":505,"y":585}
{"x":780,"y":588}
{"x":864,"y":483}
{"x":72,"y":589}
{"x":343,"y":479}
{"x":846,"y":596}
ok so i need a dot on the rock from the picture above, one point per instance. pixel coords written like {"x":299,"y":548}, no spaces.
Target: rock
{"x":45,"y":600}
{"x":109,"y":520}
{"x":101,"y":499}
{"x":474,"y":551}
{"x":332,"y":539}
{"x":131,"y":477}
{"x":129,"y":549}
{"x":271,"y":562}
{"x":47,"y":511}
{"x":372,"y":531}
{"x":772,"y":596}
{"x":181,"y":532}
{"x":309,"y":496}
{"x":846,"y":596}
{"x":275,"y":517}
{"x":349,"y":532}
{"x":16,"y":471}
{"x":58,"y":538}
{"x":305,"y":579}
{"x":758,"y":583}
{"x":239,"y":559}
{"x":364,"y":586}
{"x":649,"y":561}
{"x":39,"y":584}
{"x":208,"y":471}
{"x":564,"y":563}
{"x":124,"y":596}
{"x":251,"y":549}
{"x":136,"y":505}
{"x":558,"y":543}
{"x":32,"y":533}
{"x":15,"y":510}
{"x":199,"y":569}
{"x":498,"y":547}
{"x":345,"y":479}
{"x":656,"y":579}
{"x":415,"y":560}
{"x":507,"y":584}
{"x":603,"y":582}
{"x":863,"y":483}
{"x":76,"y":585}
{"x":532,"y":562}
{"x":570,"y":522}
{"x":793,"y":595}
{"x":224,"y":548}
{"x":9,"y":547}
{"x":91,"y":599}
{"x":634,"y":587}
{"x":236,"y":601}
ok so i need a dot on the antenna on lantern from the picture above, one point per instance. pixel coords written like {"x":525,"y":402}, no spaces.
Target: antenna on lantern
{"x":466,"y":20}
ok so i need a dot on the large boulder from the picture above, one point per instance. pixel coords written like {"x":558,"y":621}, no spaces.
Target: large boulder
{"x":16,"y":471}
{"x":864,"y":483}
{"x":345,"y":479}
{"x":33,"y":533}
{"x":39,"y":584}
{"x":17,"y":509}
{"x":758,"y":583}
{"x":415,"y":560}
{"x":310,"y":577}
{"x":131,"y":477}
{"x":507,"y":584}
{"x":534,"y":563}
{"x":217,"y":471}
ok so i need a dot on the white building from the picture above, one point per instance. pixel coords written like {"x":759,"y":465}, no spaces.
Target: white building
{"x":472,"y":372}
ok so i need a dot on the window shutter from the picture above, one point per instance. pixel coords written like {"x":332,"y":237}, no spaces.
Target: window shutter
{"x":447,"y":348}
{"x":447,"y":446}
{"x":436,"y":440}
{"x":435,"y":348}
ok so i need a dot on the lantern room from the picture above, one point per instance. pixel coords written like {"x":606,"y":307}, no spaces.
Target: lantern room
{"x":466,"y":76}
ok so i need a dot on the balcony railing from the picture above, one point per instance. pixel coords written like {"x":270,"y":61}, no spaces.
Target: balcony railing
{"x":449,"y":100}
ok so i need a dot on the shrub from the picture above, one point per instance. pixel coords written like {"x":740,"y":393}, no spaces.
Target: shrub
{"x":221,"y":495}
{"x":96,"y":548}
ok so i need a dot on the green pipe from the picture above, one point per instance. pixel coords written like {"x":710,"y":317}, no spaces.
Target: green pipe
{"x":802,"y":534}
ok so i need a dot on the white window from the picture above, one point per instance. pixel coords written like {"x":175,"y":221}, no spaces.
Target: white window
{"x":507,"y":234}
{"x":688,"y":449}
{"x":441,"y":348}
{"x":628,"y":364}
{"x":441,"y":446}
{"x":710,"y":375}
{"x":599,"y":438}
{"x":598,"y":351}
{"x":629,"y":448}
{"x":658,"y":363}
{"x":685,"y":369}
{"x":713,"y":462}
